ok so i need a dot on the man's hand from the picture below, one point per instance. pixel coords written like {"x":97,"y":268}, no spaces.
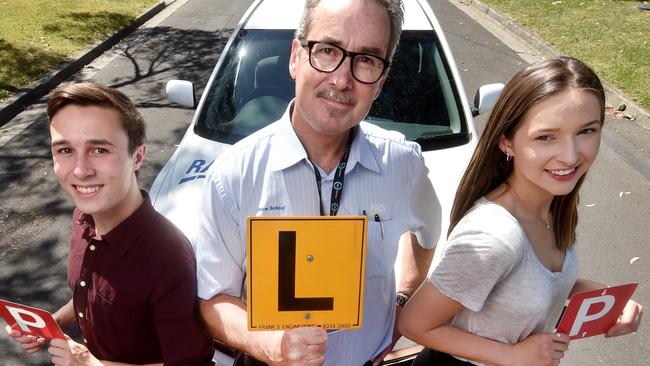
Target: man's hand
{"x":70,"y":353}
{"x":396,"y":336}
{"x":300,"y":346}
{"x":540,"y":349}
{"x":628,"y":321}
{"x":28,"y":343}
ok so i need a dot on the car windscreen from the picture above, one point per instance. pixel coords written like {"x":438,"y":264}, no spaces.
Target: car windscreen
{"x":252,"y":89}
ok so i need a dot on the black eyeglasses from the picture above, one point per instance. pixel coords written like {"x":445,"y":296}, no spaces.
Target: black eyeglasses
{"x":326,"y":57}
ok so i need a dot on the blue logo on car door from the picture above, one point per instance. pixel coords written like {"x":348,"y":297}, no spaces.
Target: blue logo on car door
{"x":196,"y":170}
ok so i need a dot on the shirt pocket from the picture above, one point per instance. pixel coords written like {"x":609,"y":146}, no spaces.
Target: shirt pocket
{"x":381,"y":248}
{"x":114,"y":309}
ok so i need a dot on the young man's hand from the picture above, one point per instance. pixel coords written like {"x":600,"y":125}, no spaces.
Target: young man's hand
{"x":28,"y":343}
{"x":70,"y":353}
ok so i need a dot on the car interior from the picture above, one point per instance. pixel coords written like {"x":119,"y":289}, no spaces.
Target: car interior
{"x":253,"y":89}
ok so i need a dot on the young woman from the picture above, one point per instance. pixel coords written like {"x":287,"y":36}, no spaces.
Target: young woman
{"x":497,"y":288}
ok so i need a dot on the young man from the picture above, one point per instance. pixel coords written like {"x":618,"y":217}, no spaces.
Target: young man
{"x":339,"y":60}
{"x":132,"y":273}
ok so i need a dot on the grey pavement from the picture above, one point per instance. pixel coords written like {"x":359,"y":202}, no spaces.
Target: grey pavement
{"x":184,"y":42}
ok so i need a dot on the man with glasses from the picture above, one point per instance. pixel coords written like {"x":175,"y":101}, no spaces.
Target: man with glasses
{"x":319,"y":158}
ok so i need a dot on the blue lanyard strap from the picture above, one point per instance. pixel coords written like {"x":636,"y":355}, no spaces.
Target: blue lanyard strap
{"x":337,"y":186}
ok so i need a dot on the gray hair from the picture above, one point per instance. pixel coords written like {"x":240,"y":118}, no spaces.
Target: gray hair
{"x":394,"y":8}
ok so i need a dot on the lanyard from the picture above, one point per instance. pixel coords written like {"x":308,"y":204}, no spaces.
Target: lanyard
{"x":337,"y":186}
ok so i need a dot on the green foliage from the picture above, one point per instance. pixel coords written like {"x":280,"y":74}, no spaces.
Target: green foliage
{"x":612,"y":36}
{"x":37,"y":36}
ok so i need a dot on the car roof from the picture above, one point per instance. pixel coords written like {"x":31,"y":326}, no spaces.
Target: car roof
{"x":285,"y":14}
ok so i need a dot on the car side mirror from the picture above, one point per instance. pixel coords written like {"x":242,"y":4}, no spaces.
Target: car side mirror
{"x":181,"y":92}
{"x":485,"y":98}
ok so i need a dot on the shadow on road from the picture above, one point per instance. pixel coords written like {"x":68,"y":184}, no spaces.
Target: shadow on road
{"x":180,"y":53}
{"x":154,"y":56}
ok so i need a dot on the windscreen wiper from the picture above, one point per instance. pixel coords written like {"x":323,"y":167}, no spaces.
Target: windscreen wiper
{"x":436,"y":142}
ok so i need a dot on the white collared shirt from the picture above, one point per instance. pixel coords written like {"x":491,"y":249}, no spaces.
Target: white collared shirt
{"x":268,"y":174}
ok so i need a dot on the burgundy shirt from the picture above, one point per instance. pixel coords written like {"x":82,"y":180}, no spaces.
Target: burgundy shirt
{"x":134,"y":291}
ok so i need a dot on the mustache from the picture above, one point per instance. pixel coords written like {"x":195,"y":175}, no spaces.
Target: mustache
{"x":345,"y":98}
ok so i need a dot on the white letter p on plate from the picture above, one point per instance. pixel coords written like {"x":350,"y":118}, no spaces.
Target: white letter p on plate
{"x":582,"y":316}
{"x":24,"y":324}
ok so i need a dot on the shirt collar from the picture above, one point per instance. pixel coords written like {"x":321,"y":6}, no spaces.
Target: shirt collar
{"x":126,"y":233}
{"x":289,"y":150}
{"x":361,"y":152}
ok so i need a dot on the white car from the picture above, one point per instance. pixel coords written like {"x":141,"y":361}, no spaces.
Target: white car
{"x":250,"y":87}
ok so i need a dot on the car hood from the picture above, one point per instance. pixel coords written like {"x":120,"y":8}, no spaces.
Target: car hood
{"x":176,"y":192}
{"x":446,"y":168}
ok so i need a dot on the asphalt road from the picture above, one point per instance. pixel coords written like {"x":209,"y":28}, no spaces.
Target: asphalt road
{"x":184,"y":42}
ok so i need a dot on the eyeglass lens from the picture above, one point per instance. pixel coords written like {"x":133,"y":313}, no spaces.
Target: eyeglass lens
{"x":327,"y":58}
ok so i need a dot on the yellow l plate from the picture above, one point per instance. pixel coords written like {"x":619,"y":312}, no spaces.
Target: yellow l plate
{"x":305,"y":271}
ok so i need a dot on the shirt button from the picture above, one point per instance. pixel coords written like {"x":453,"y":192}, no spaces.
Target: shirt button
{"x":82,"y":283}
{"x":81,"y":315}
{"x":92,"y":247}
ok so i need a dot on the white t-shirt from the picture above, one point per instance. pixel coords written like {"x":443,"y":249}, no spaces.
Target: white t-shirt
{"x":489,"y":266}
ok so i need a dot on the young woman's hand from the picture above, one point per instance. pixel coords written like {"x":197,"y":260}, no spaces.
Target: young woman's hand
{"x":628,"y":321}
{"x":540,"y":349}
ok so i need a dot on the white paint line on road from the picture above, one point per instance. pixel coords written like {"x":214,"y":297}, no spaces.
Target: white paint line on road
{"x":170,"y":8}
{"x":107,"y":57}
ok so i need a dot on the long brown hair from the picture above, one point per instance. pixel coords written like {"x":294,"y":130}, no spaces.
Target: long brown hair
{"x":489,"y":168}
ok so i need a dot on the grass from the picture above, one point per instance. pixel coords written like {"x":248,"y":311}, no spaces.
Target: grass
{"x":37,"y":36}
{"x":613,"y":37}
